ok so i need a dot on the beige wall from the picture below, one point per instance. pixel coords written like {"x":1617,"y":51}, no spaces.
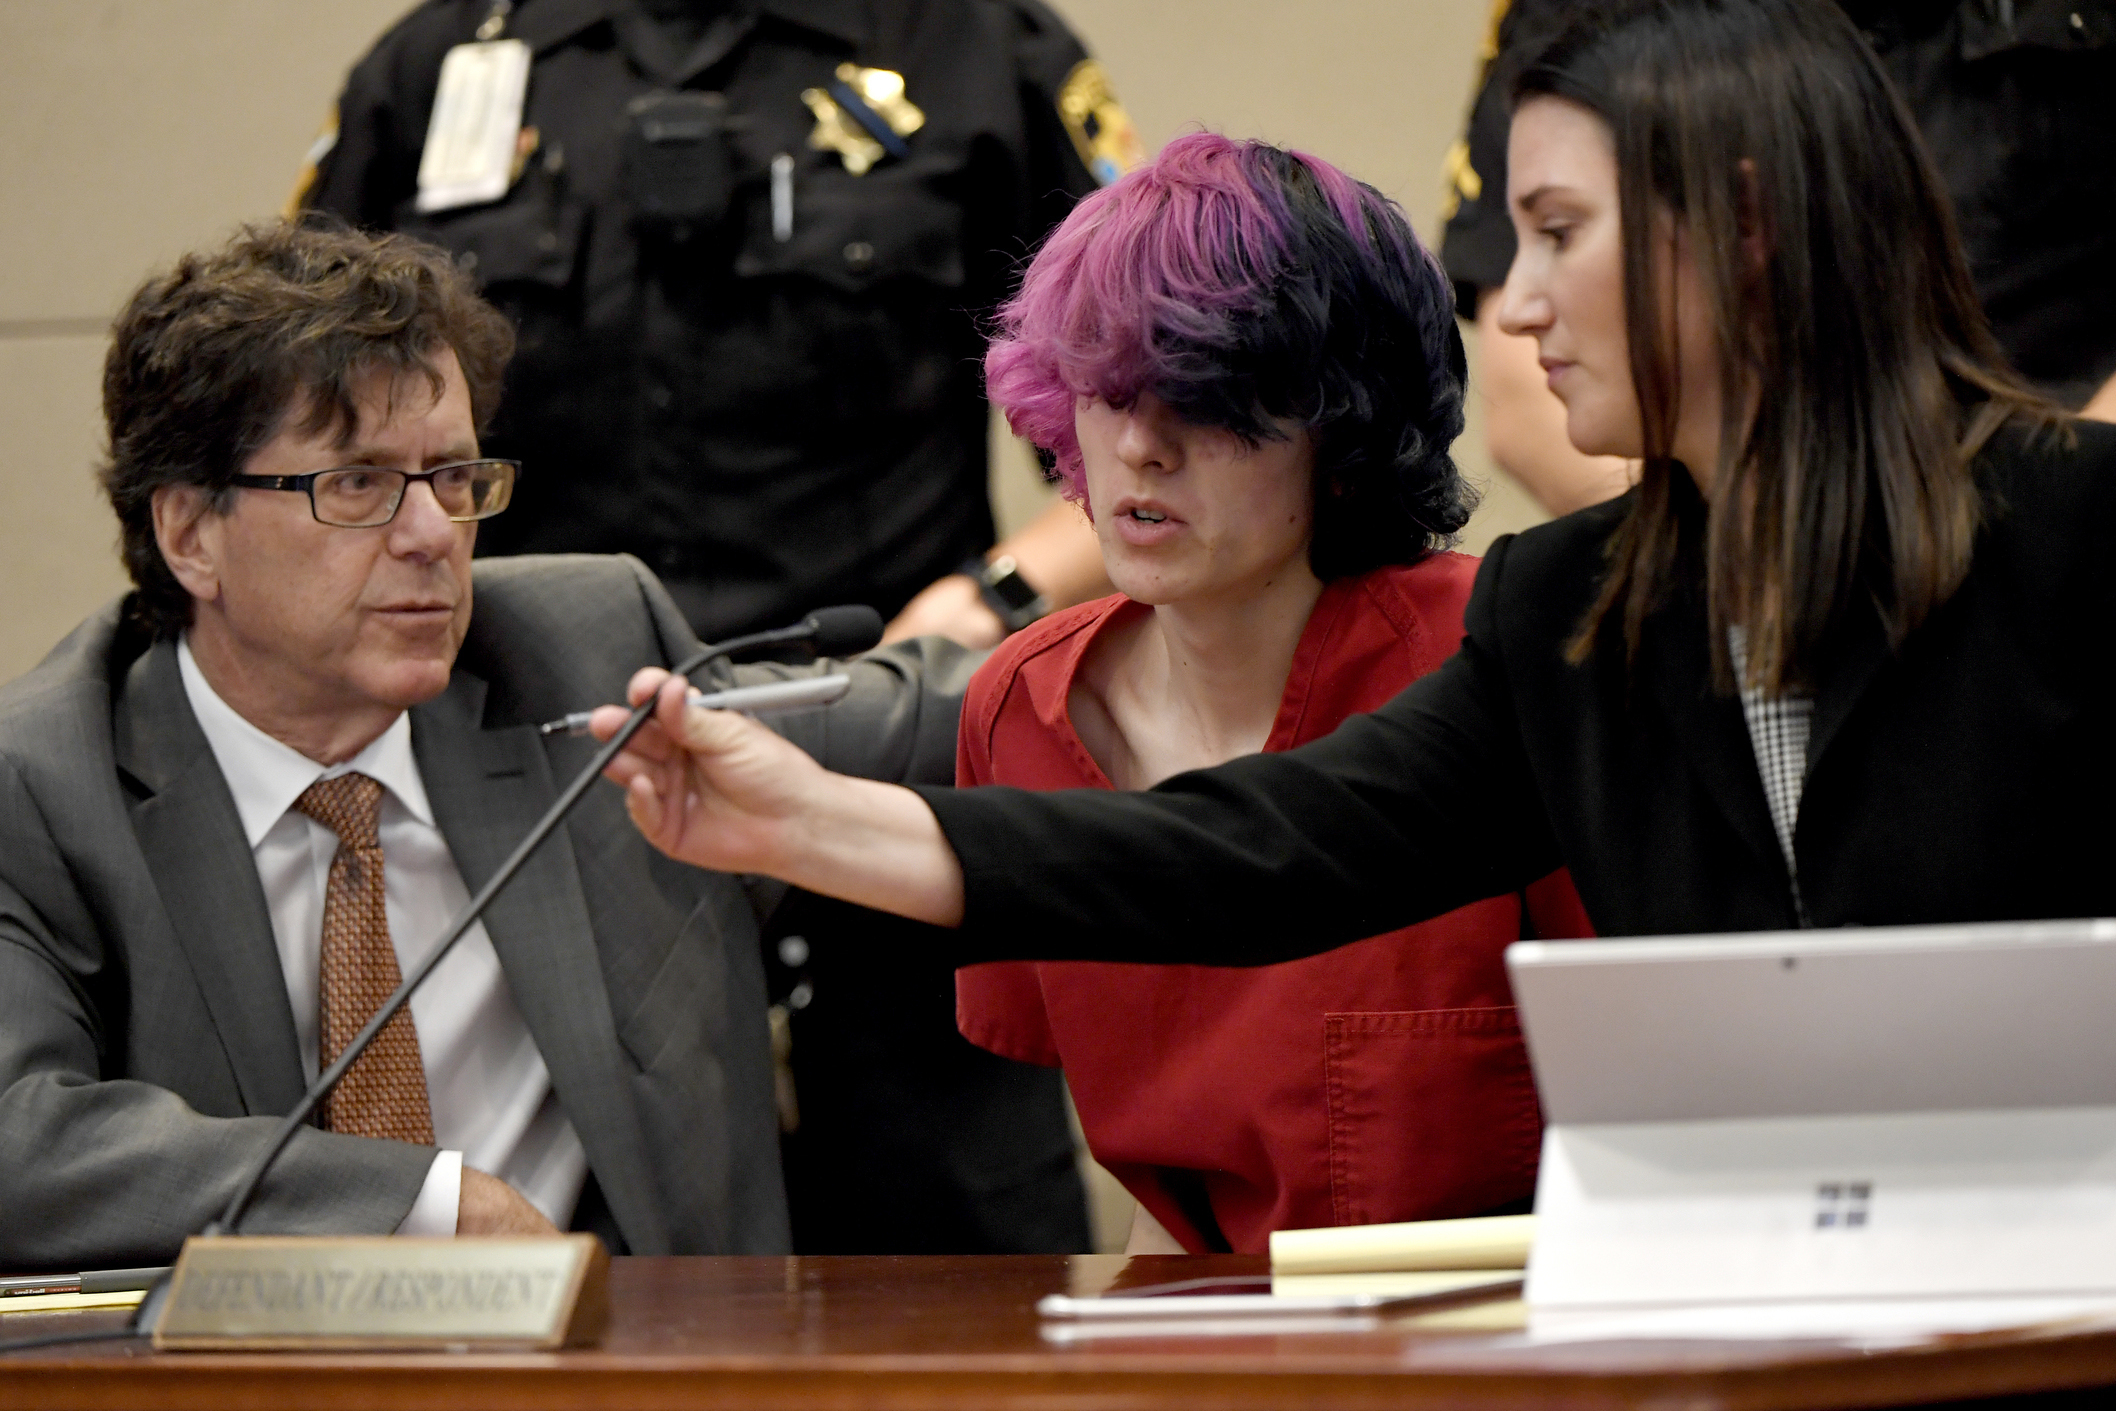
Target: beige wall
{"x":137,"y":128}
{"x":134,"y":129}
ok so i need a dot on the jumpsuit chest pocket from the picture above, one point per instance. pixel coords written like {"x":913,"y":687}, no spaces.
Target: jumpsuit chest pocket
{"x":1432,"y":1114}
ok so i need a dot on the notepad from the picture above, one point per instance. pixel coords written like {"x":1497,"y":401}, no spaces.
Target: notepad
{"x":64,"y":1302}
{"x":1491,"y":1242}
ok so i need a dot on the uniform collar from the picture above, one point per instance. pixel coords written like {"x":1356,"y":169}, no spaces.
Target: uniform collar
{"x":266,"y":776}
{"x":544,"y":24}
{"x":838,"y":18}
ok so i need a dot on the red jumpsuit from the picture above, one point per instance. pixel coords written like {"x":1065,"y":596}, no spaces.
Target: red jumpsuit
{"x":1384,"y":1080}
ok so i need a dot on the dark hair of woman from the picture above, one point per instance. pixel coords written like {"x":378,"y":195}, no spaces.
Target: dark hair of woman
{"x":1860,"y":378}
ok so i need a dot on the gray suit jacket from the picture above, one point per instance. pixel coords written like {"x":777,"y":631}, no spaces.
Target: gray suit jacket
{"x":146,"y":1043}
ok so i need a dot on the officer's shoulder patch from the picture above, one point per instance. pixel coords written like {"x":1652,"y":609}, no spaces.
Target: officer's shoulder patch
{"x":311,"y":164}
{"x":1102,"y":131}
{"x":1462,"y":181}
{"x":1490,"y":49}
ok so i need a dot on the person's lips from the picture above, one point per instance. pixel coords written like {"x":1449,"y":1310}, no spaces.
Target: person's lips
{"x":1144,"y":523}
{"x":1554,"y":370}
{"x":421,"y":610}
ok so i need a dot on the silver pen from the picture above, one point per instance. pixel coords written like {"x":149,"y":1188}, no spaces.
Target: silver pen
{"x":782,"y":197}
{"x":91,"y":1281}
{"x":767,"y":699}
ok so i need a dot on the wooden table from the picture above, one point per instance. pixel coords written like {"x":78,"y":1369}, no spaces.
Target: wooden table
{"x":963,"y":1332}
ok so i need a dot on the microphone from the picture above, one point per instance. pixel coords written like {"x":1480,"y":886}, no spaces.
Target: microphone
{"x":832,"y":632}
{"x":835,"y":631}
{"x":841,"y":631}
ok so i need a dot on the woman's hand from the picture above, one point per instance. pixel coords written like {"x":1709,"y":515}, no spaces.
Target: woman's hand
{"x":716,"y":789}
{"x":708,"y":787}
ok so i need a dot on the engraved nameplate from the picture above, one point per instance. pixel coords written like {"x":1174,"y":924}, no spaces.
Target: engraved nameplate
{"x":371,"y":1293}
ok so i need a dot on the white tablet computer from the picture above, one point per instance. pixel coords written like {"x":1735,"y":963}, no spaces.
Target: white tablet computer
{"x":1884,"y":1113}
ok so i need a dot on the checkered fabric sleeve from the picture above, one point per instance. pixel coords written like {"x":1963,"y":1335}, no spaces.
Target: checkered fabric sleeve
{"x":1778,"y":732}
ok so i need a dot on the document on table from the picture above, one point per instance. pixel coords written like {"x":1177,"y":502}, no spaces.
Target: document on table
{"x":1860,"y":1322}
{"x":1249,"y":1306}
{"x":64,"y":1302}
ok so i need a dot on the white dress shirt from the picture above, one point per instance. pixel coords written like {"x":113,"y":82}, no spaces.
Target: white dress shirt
{"x":489,"y":1090}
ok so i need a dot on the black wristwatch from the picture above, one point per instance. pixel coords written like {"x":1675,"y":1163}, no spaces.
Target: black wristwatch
{"x":1010,"y":596}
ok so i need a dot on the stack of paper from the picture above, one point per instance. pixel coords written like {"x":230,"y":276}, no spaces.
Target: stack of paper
{"x":1422,"y":1257}
{"x":66,"y":1302}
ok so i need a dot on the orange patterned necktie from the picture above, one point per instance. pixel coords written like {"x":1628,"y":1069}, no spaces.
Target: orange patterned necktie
{"x":384,"y":1093}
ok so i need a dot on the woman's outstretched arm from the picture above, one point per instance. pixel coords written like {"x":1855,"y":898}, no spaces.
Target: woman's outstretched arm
{"x":717,"y":790}
{"x":1397,"y":816}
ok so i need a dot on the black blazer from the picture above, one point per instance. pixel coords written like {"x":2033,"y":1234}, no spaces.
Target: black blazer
{"x":1967,"y":776}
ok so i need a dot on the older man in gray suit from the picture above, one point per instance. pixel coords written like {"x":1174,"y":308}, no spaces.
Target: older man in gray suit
{"x":236,"y":806}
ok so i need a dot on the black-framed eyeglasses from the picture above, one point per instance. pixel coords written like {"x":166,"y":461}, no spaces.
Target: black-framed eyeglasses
{"x":365,"y":496}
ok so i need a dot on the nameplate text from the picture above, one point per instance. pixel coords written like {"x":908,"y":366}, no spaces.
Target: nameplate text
{"x":323,"y":1293}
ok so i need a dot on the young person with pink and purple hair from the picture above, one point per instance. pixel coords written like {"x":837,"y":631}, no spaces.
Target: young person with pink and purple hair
{"x":1248,"y":372}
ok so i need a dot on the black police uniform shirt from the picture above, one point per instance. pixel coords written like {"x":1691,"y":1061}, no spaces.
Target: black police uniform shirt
{"x":2014,"y":100}
{"x":772,"y":423}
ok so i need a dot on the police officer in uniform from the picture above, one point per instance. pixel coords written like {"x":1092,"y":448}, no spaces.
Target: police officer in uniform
{"x":747,"y":244}
{"x":2013,"y":99}
{"x":749,"y":349}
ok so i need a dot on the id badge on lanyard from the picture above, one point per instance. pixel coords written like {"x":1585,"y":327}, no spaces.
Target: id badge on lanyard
{"x":477,"y":122}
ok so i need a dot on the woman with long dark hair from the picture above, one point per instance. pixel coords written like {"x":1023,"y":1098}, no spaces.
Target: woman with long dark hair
{"x":1840,"y":658}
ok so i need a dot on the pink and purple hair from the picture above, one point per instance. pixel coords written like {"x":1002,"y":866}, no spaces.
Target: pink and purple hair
{"x":1246,"y":285}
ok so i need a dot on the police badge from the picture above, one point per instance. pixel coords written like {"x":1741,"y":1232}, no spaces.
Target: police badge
{"x":863,"y":116}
